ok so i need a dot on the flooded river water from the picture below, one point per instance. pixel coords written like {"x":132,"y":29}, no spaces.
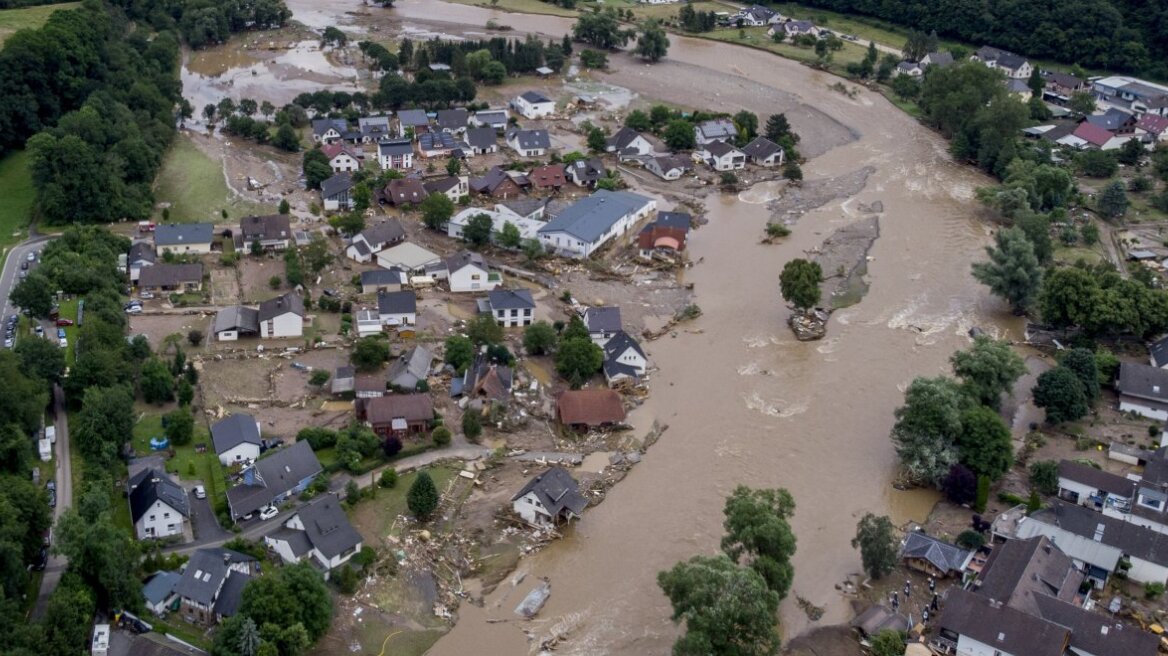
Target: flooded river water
{"x":744,"y":401}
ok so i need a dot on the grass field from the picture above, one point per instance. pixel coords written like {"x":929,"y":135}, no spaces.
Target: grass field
{"x":205,"y":465}
{"x":756,"y":37}
{"x":68,"y":310}
{"x":521,"y":6}
{"x":12,"y":20}
{"x":193,"y":184}
{"x":16,"y":197}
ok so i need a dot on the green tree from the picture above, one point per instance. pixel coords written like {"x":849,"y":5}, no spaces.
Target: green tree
{"x":596,"y":140}
{"x":888,"y":642}
{"x":593,"y":59}
{"x":1044,"y":476}
{"x":927,"y":427}
{"x":679,"y":135}
{"x":1060,"y":393}
{"x":100,"y":552}
{"x":291,"y":605}
{"x":369,"y":353}
{"x":876,"y":540}
{"x":68,"y":617}
{"x":319,"y":377}
{"x":747,"y":124}
{"x":453,"y":166}
{"x":1081,"y":362}
{"x":34,"y":293}
{"x":105,"y":422}
{"x":539,"y":338}
{"x":578,"y":359}
{"x":483,"y":329}
{"x":350,"y":223}
{"x":316,"y":167}
{"x":459,"y":352}
{"x":1097,"y":163}
{"x":727,"y":609}
{"x":478,"y":230}
{"x":1082,"y":102}
{"x":778,"y":128}
{"x":1012,"y":271}
{"x":1132,"y":152}
{"x":180,"y":427}
{"x":600,"y":29}
{"x":984,"y":444}
{"x":185,"y":393}
{"x":757,"y":532}
{"x":799,"y":283}
{"x":422,"y":498}
{"x":41,"y":359}
{"x":1036,"y":83}
{"x":987,"y":370}
{"x":317,"y":254}
{"x":472,"y":426}
{"x":287,"y":140}
{"x":494,"y":73}
{"x":388,"y":478}
{"x":575,"y":329}
{"x":1113,"y":201}
{"x":792,"y":171}
{"x":441,"y":436}
{"x":509,"y":236}
{"x":156,"y":382}
{"x":638,"y":120}
{"x":652,"y":44}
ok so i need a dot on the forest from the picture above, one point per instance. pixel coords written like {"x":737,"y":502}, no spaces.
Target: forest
{"x":1121,"y":35}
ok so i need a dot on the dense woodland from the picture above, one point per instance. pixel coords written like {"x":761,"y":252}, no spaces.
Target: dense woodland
{"x":1122,"y":35}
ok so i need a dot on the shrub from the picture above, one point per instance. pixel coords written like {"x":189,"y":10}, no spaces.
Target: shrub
{"x":777,"y":230}
{"x":983,"y":493}
{"x":391,"y":446}
{"x":195,"y":337}
{"x":441,"y":436}
{"x":346,"y":579}
{"x":319,"y":377}
{"x":274,"y":282}
{"x":471,"y":426}
{"x":352,"y":492}
{"x":1153,"y":590}
{"x":388,"y":478}
{"x":970,"y":539}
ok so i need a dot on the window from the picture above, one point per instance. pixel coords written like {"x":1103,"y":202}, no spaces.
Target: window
{"x":152,"y":518}
{"x":166,"y":515}
{"x":527,"y":312}
{"x":514,"y":312}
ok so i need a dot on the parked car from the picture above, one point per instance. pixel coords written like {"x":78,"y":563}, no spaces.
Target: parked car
{"x":32,"y":256}
{"x":331,"y":293}
{"x":52,"y":498}
{"x":60,"y":333}
{"x":146,"y":295}
{"x":63,"y":343}
{"x":51,"y":485}
{"x":64,"y":322}
{"x":133,"y":309}
{"x":24,"y":266}
{"x":42,"y":559}
{"x":200,"y":492}
{"x":39,"y":330}
{"x":8,"y":342}
{"x":269,"y":512}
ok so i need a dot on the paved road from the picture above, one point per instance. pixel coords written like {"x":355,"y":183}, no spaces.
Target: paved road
{"x":64,"y":477}
{"x":9,"y":277}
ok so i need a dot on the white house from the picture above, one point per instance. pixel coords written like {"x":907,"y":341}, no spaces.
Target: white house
{"x":329,"y":130}
{"x":158,"y":505}
{"x":490,"y":118}
{"x":368,"y":322}
{"x":721,"y":156}
{"x":467,"y":272}
{"x":342,"y":158}
{"x":627,"y":142}
{"x":1094,"y":488}
{"x":1143,"y":389}
{"x":668,"y":167}
{"x":511,"y":307}
{"x":407,"y":256}
{"x":528,"y":227}
{"x":336,"y":193}
{"x":141,"y":255}
{"x":764,"y":152}
{"x":234,"y":322}
{"x":533,"y":105}
{"x":282,"y":316}
{"x":181,"y":239}
{"x":236,"y":439}
{"x":396,"y":154}
{"x":1014,"y":66}
{"x":370,"y":241}
{"x":718,"y":129}
{"x":549,"y":498}
{"x":319,"y":531}
{"x":453,"y":187}
{"x":602,"y":323}
{"x":529,"y":143}
{"x":624,"y":359}
{"x":591,"y":222}
{"x":397,"y":309}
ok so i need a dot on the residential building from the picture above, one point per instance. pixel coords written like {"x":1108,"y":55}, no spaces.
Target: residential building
{"x":718,"y":129}
{"x":1087,"y":135}
{"x":158,"y":506}
{"x":667,"y":233}
{"x":211,"y":587}
{"x":343,"y":158}
{"x":343,"y":379}
{"x":369,"y":386}
{"x":405,"y":191}
{"x":933,"y":557}
{"x":1142,"y":389}
{"x":453,"y":187}
{"x":589,"y":408}
{"x":533,"y":105}
{"x":273,"y":232}
{"x":158,"y":592}
{"x":721,"y":156}
{"x":411,"y":122}
{"x":511,"y":307}
{"x":668,"y":167}
{"x":909,"y":68}
{"x":496,"y":184}
{"x":550,"y":498}
{"x":367,"y":322}
{"x":496,"y":119}
{"x":329,"y":130}
{"x":1115,"y":120}
{"x":528,"y":143}
{"x":550,"y":177}
{"x":794,"y":28}
{"x":1152,"y":125}
{"x":374,"y":239}
{"x":282,"y":316}
{"x":171,"y":278}
{"x":602,"y":323}
{"x":627,"y":143}
{"x":1014,"y":66}
{"x":528,"y":228}
{"x":484,"y":380}
{"x":236,"y":439}
{"x":624,"y":359}
{"x":1094,"y":488}
{"x":482,"y":141}
{"x":1063,"y":85}
{"x":396,"y":154}
{"x":141,"y":255}
{"x":410,"y":368}
{"x":938,"y":59}
{"x":383,"y":280}
{"x":184,"y":238}
{"x":756,"y":16}
{"x":399,"y":415}
{"x":408,"y":257}
{"x":586,"y":172}
{"x":336,"y":193}
{"x":764,"y":152}
{"x":373,"y":128}
{"x":234,"y":322}
{"x":591,"y":222}
{"x":436,"y":144}
{"x":271,"y":480}
{"x":318,"y":531}
{"x":397,"y":309}
{"x":1138,"y":95}
{"x":467,"y":271}
{"x":452,"y":120}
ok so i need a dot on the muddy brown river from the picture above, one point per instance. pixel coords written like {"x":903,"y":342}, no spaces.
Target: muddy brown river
{"x":744,"y":401}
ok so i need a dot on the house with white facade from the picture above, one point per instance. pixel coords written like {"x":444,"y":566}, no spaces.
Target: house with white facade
{"x":1143,"y":389}
{"x":602,"y":323}
{"x":528,"y":228}
{"x":533,"y":105}
{"x":318,"y":531}
{"x":510,"y":308}
{"x":1094,"y":488}
{"x":369,"y":242}
{"x":411,"y":122}
{"x":234,"y":322}
{"x":336,"y":193}
{"x":489,"y":118}
{"x":397,"y":309}
{"x":282,"y":316}
{"x":407,"y":256}
{"x":272,"y":231}
{"x":721,"y":156}
{"x":467,"y":271}
{"x":273,"y":479}
{"x":718,"y":129}
{"x":453,"y":187}
{"x":624,"y":359}
{"x":184,"y":238}
{"x":158,"y":506}
{"x":591,"y":222}
{"x":550,"y":498}
{"x":373,"y":128}
{"x":396,"y":154}
{"x":236,"y":439}
{"x":668,"y":167}
{"x":329,"y":130}
{"x":211,"y":587}
{"x":482,"y":141}
{"x":383,"y":280}
{"x":764,"y":152}
{"x":342,"y":157}
{"x":627,"y":142}
{"x":1014,"y":66}
{"x":528,"y":143}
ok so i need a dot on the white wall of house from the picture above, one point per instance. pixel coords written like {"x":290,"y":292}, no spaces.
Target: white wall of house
{"x":633,"y":359}
{"x":666,"y":174}
{"x":403,"y":161}
{"x":967,"y":646}
{"x":568,"y":244}
{"x":1129,"y":404}
{"x":531,"y":510}
{"x":239,"y":453}
{"x":1158,"y":527}
{"x":1084,"y":491}
{"x":353,"y":254}
{"x":227,"y":335}
{"x":1144,"y":571}
{"x":534,"y":110}
{"x":399,"y":319}
{"x":288,"y":324}
{"x":283,"y":548}
{"x":339,"y":559}
{"x":366,"y":327}
{"x":182,"y":249}
{"x":472,"y":278}
{"x":344,"y":162}
{"x":159,"y":521}
{"x":514,"y":317}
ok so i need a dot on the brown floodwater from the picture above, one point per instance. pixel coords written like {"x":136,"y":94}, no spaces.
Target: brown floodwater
{"x":745,"y":402}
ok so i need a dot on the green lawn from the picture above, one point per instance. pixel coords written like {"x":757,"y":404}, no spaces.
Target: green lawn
{"x":1072,"y":254}
{"x":205,"y":466}
{"x":194,"y":185}
{"x":12,"y":20}
{"x":756,"y":37}
{"x":377,"y":516}
{"x":521,"y":6}
{"x":16,"y":197}
{"x":68,"y":310}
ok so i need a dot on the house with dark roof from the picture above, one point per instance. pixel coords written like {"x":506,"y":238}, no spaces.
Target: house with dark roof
{"x":764,"y":152}
{"x":236,"y":439}
{"x":405,"y":191}
{"x":412,"y":122}
{"x":343,"y":379}
{"x":383,"y":280}
{"x":1152,"y":125}
{"x":343,"y":158}
{"x":374,"y":239}
{"x":467,"y":271}
{"x":533,"y":105}
{"x":1114,"y":120}
{"x":171,"y":278}
{"x":437,"y":144}
{"x":285,"y":472}
{"x":453,"y":121}
{"x":320,"y":532}
{"x":482,"y":141}
{"x":591,"y":222}
{"x":141,"y":255}
{"x":624,"y":359}
{"x":550,"y":498}
{"x":721,"y":156}
{"x":397,"y":309}
{"x":399,"y":415}
{"x":1143,"y":389}
{"x":510,"y":307}
{"x":602,"y":323}
{"x":938,"y":59}
{"x":496,"y":119}
{"x":718,"y":129}
{"x":1094,"y":488}
{"x":183,"y":238}
{"x":496,"y":184}
{"x":158,"y":506}
{"x":528,"y":143}
{"x":975,"y":624}
{"x":453,"y":187}
{"x":589,"y":408}
{"x":1063,"y":84}
{"x":373,"y":128}
{"x":586,"y":172}
{"x":877,"y":619}
{"x":933,"y":557}
{"x":282,"y":316}
{"x":667,"y":233}
{"x":627,"y":142}
{"x":1086,"y":135}
{"x":395,"y":154}
{"x":204,"y":592}
{"x":329,"y":130}
{"x":273,"y":231}
{"x":550,"y":176}
{"x":485,"y":380}
{"x":668,"y":167}
{"x":234,"y":322}
{"x":158,"y":592}
{"x":1014,"y":66}
{"x":410,"y":368}
{"x":336,"y":192}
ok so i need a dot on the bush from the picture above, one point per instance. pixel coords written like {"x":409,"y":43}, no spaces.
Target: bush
{"x":983,"y":493}
{"x":1044,"y":476}
{"x":352,"y":492}
{"x":422,"y":498}
{"x":388,"y":478}
{"x":274,"y":282}
{"x":970,"y":539}
{"x":472,"y":427}
{"x":1153,"y":590}
{"x":319,"y":377}
{"x":195,"y":337}
{"x":346,"y":579}
{"x":441,"y":436}
{"x":391,"y":446}
{"x":777,"y":230}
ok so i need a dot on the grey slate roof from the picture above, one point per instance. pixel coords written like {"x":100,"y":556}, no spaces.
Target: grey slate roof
{"x":413,"y":117}
{"x":327,"y":527}
{"x":151,"y":485}
{"x":275,"y":475}
{"x":490,"y":180}
{"x":1003,"y":628}
{"x":1131,"y":539}
{"x":510,"y":299}
{"x":233,"y":430}
{"x":160,"y":586}
{"x":297,"y":540}
{"x":1111,"y":120}
{"x":441,"y":185}
{"x":491,"y":116}
{"x":718,"y":128}
{"x":719,"y":148}
{"x":1097,"y":478}
{"x":411,"y":367}
{"x":274,"y":307}
{"x":231,"y":596}
{"x":481,"y":138}
{"x":534,"y":97}
{"x":761,"y":148}
{"x":619,"y":343}
{"x":268,"y":227}
{"x":386,"y":232}
{"x":142,"y":251}
{"x":1141,"y":381}
{"x":389,"y":147}
{"x":336,"y":185}
{"x":184,"y":233}
{"x":589,"y":218}
{"x":621,"y":138}
{"x":1004,"y":58}
{"x":556,"y":490}
{"x":585,"y":171}
{"x":170,"y":275}
{"x":436,"y":141}
{"x":463,"y":258}
{"x":603,"y":319}
{"x":205,"y":571}
{"x":402,"y":302}
{"x":942,"y":555}
{"x":530,"y":139}
{"x":372,"y":126}
{"x":680,"y":220}
{"x":1095,"y":633}
{"x":940,"y":59}
{"x":382,"y":277}
{"x":452,"y":119}
{"x":1019,"y":571}
{"x":322,"y":125}
{"x":237,"y":317}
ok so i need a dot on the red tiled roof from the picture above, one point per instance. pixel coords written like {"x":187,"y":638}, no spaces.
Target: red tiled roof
{"x":1092,"y":134}
{"x":590,"y":407}
{"x":332,"y":150}
{"x":551,"y":175}
{"x":1152,"y":123}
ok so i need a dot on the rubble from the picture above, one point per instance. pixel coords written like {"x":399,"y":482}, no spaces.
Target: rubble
{"x":534,"y":601}
{"x":809,"y":326}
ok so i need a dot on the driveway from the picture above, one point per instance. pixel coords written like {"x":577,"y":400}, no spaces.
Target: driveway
{"x":204,"y":522}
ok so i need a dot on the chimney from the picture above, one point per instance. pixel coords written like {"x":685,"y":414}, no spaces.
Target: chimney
{"x":1103,"y":630}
